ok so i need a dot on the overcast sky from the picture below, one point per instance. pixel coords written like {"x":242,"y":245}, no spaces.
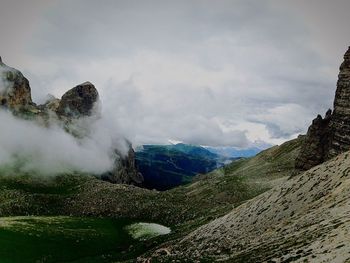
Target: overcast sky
{"x":211,"y":72}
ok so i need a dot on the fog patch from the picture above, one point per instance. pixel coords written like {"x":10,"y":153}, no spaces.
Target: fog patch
{"x":26,"y":146}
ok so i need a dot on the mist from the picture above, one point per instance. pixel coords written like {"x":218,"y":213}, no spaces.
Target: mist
{"x":28,"y":147}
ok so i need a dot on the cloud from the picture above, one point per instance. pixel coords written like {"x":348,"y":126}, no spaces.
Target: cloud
{"x":30,"y":147}
{"x":193,"y":71}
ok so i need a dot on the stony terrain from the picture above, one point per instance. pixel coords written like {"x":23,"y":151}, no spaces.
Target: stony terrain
{"x":305,"y":219}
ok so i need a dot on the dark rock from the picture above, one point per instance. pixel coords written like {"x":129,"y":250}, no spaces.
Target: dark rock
{"x":125,"y":171}
{"x":79,"y":101}
{"x":315,"y":143}
{"x":340,"y":123}
{"x":328,"y":137}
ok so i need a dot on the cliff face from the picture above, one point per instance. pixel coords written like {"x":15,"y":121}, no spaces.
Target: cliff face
{"x":328,"y":137}
{"x":78,"y":102}
{"x":340,"y":122}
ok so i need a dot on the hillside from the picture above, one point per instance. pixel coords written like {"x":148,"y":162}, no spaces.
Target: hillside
{"x":305,"y":219}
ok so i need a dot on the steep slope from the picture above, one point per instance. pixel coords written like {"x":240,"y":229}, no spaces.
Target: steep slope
{"x":305,"y":219}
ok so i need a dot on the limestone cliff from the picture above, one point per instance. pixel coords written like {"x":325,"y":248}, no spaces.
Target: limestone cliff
{"x":328,"y":137}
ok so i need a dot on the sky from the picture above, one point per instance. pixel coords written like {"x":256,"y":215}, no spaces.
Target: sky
{"x":238,"y":73}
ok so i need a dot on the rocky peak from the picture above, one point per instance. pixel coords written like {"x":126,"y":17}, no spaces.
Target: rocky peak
{"x":15,"y":92}
{"x":328,"y":137}
{"x":340,"y":123}
{"x":79,"y":101}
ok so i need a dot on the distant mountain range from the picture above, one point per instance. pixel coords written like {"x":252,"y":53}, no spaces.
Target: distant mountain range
{"x":166,"y":166}
{"x":234,"y":152}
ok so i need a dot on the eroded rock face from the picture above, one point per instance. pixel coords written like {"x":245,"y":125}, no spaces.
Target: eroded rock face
{"x":79,"y":101}
{"x":328,"y":137}
{"x":15,"y":91}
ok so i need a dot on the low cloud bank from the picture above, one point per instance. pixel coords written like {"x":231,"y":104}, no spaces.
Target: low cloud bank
{"x":26,"y":146}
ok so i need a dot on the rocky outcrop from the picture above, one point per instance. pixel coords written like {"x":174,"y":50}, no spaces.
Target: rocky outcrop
{"x":328,"y":137}
{"x":125,"y":171}
{"x":340,"y":123}
{"x":79,"y":101}
{"x":315,"y":145}
{"x":15,"y":91}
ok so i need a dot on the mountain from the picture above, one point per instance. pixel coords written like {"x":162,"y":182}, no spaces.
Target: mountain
{"x":166,"y":166}
{"x":258,"y":209}
{"x":234,"y":152}
{"x":329,"y":136}
{"x":78,"y":105}
{"x":304,"y":219}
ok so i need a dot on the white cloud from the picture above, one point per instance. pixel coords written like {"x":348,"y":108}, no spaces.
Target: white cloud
{"x":31,"y":147}
{"x":223,"y":73}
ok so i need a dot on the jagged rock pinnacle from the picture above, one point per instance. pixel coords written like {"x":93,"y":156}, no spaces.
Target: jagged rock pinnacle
{"x":328,"y":137}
